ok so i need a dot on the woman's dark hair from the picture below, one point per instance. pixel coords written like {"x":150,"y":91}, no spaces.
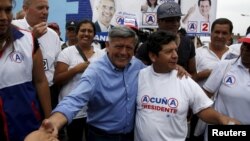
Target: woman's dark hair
{"x":149,"y":4}
{"x":85,"y":22}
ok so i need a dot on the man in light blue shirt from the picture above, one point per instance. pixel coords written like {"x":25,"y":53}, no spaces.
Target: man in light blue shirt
{"x":109,"y":88}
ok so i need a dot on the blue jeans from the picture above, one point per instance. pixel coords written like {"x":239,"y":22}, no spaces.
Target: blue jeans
{"x":95,"y":134}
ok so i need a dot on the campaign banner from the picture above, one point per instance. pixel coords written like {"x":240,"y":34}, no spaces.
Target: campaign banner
{"x":198,"y":16}
{"x":137,"y":13}
{"x":108,"y":13}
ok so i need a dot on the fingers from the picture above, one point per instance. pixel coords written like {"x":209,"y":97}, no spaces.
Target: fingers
{"x":182,"y":72}
{"x":47,"y":126}
{"x":40,"y":136}
{"x":39,"y":29}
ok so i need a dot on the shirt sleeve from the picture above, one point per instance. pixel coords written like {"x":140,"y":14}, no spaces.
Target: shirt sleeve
{"x":216,"y":77}
{"x":199,"y":100}
{"x":78,"y":97}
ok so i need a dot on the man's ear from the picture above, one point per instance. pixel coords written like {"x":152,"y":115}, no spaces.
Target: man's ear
{"x":152,"y":57}
{"x":25,"y":8}
{"x":107,"y":45}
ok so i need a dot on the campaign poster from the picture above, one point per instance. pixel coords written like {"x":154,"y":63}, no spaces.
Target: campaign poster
{"x":198,"y":16}
{"x":138,"y":13}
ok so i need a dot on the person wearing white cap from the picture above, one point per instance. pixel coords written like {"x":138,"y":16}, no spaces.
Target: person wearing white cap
{"x":231,"y":80}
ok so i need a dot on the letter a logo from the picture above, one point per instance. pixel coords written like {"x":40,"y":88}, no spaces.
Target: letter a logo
{"x":229,"y":80}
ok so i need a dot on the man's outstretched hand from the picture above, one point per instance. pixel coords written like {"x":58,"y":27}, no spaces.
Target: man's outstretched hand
{"x":46,"y":132}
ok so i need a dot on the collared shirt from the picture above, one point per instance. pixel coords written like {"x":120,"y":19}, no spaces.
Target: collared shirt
{"x":231,"y":79}
{"x":108,"y":92}
{"x":19,"y":103}
{"x":72,"y":58}
{"x":50,"y":46}
{"x":103,"y":27}
{"x":207,"y":59}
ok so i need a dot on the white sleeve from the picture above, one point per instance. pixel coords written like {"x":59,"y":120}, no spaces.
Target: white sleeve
{"x":215,"y":79}
{"x":198,"y":59}
{"x":63,"y":56}
{"x":199,"y":100}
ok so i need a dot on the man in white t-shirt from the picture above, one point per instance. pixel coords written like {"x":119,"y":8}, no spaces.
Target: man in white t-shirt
{"x":163,"y":100}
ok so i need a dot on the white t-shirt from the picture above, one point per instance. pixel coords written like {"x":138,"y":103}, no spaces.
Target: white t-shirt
{"x":235,"y":48}
{"x":50,"y":46}
{"x":71,"y":57}
{"x":163,"y":102}
{"x":233,"y":89}
{"x":207,"y":59}
{"x":233,"y":85}
{"x":152,"y":8}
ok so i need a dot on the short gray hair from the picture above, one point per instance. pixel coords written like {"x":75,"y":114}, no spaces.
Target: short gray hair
{"x":26,"y":2}
{"x":122,"y":32}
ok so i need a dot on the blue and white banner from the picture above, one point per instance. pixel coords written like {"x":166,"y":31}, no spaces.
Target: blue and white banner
{"x":137,"y":13}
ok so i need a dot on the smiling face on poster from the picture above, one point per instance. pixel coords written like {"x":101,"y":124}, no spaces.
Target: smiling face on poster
{"x":199,"y":15}
{"x":113,"y":13}
{"x":109,"y":13}
{"x":103,"y":12}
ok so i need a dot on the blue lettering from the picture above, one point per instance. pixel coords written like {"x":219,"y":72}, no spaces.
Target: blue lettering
{"x":159,"y":100}
{"x":192,"y":26}
{"x":152,"y":100}
{"x":150,"y":19}
{"x":101,"y":37}
{"x":164,"y":101}
{"x":229,"y":80}
{"x":120,"y":21}
{"x":172,"y":103}
{"x":145,"y":99}
{"x":18,"y":58}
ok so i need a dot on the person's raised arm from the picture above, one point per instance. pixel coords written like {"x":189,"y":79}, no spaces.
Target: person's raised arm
{"x":189,"y":13}
{"x":63,"y":74}
{"x":39,"y":29}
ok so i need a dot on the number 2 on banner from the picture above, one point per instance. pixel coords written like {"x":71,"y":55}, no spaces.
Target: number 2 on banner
{"x":205,"y":27}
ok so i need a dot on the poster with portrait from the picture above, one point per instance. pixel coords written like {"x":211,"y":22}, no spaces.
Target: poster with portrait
{"x":109,"y":13}
{"x":148,"y":16}
{"x":198,"y":16}
{"x":138,"y":13}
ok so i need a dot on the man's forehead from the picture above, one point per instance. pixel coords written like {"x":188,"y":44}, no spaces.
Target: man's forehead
{"x":107,"y":2}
